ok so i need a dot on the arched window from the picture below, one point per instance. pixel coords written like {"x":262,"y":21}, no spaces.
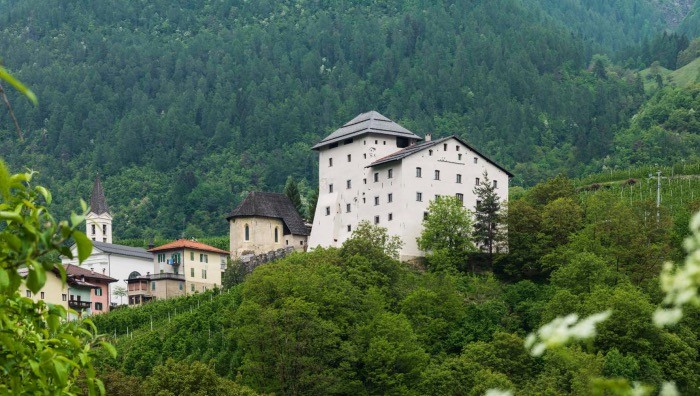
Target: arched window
{"x":134,"y":275}
{"x":247,"y":233}
{"x":277,"y":237}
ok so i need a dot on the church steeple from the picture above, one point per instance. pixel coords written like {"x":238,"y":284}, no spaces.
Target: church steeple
{"x":98,"y":202}
{"x":98,"y":221}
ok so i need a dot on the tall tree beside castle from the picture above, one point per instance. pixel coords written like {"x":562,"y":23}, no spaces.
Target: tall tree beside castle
{"x":291,"y":190}
{"x":487,"y":215}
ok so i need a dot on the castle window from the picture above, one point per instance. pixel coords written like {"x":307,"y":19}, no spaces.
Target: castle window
{"x":390,"y":197}
{"x":476,"y":160}
{"x":425,"y":215}
{"x":347,"y":208}
{"x":247,"y":232}
{"x":419,"y":172}
{"x":104,"y":229}
{"x":330,"y":162}
{"x":364,"y":180}
{"x":348,"y":184}
{"x":495,"y":184}
{"x":419,"y":197}
{"x":349,"y":228}
{"x":104,"y":240}
{"x":457,"y":147}
{"x":391,"y":216}
{"x":430,"y":152}
{"x":364,"y":156}
{"x":349,"y":157}
{"x":444,"y":147}
{"x":328,"y":210}
{"x":376,"y":201}
{"x":478,"y":182}
{"x":437,"y":175}
{"x":459,"y":178}
{"x":478,"y":204}
{"x":459,"y":157}
{"x":385,"y":142}
{"x":376,"y":219}
{"x":93,"y":229}
{"x":460,"y":197}
{"x":390,"y":173}
{"x":376,"y":142}
{"x":277,"y":235}
{"x":330,"y":188}
{"x":376,"y":177}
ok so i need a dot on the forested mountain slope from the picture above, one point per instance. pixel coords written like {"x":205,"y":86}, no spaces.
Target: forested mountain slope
{"x":183,"y":106}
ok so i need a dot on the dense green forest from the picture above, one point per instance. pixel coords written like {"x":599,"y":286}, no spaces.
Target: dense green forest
{"x":184,"y":106}
{"x":354,"y":321}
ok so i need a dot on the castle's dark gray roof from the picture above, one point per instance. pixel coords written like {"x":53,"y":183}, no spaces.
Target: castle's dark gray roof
{"x":274,"y":205}
{"x":98,"y":202}
{"x":405,"y":152}
{"x":370,"y":122}
{"x":123,"y":250}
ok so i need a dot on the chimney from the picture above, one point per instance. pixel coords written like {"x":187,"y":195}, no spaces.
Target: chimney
{"x":428,"y":137}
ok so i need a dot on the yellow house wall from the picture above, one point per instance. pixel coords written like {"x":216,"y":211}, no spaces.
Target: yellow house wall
{"x":212,"y":266}
{"x":53,"y":290}
{"x":262,"y":235}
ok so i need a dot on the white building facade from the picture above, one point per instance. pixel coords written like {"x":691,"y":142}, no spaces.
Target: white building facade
{"x":375,"y":170}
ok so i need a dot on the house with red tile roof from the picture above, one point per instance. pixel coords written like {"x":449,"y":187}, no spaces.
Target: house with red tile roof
{"x":96,"y":284}
{"x":179,"y":268}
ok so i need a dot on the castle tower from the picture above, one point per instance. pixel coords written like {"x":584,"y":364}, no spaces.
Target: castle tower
{"x":98,"y":221}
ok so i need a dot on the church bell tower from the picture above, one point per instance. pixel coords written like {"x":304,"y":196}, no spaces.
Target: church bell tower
{"x":98,"y":221}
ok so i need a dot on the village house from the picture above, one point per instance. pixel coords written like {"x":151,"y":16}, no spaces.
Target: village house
{"x":375,"y":170}
{"x":179,"y":268}
{"x":54,"y":292}
{"x":266,"y":222}
{"x":112,"y":260}
{"x":98,"y":297}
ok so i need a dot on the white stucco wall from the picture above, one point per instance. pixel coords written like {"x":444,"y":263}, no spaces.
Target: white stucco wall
{"x":99,"y":227}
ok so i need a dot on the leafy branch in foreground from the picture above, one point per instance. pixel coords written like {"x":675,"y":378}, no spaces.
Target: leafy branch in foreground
{"x":40,"y":351}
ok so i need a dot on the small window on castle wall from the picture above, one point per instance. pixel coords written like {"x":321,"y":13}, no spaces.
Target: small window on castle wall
{"x":390,"y":197}
{"x":391,"y":216}
{"x":444,"y":147}
{"x":437,"y":175}
{"x":328,"y":210}
{"x":330,"y":161}
{"x":459,"y":178}
{"x":348,"y":208}
{"x":349,"y":157}
{"x":286,"y":242}
{"x":459,"y":157}
{"x":247,"y":232}
{"x":476,"y":160}
{"x":457,"y":148}
{"x":495,"y":184}
{"x":460,"y":197}
{"x":430,"y":152}
{"x":376,"y":177}
{"x":276,"y":235}
{"x":419,"y":172}
{"x":301,"y":243}
{"x":376,"y":219}
{"x":330,"y":188}
{"x":419,"y":197}
{"x":478,"y":182}
{"x":364,"y":156}
{"x":348,"y":184}
{"x":104,"y":229}
{"x":376,"y":201}
{"x":390,"y":173}
{"x":349,"y":228}
{"x":93,"y":230}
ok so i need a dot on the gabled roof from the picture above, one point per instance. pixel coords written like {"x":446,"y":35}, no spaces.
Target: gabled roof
{"x":405,"y":152}
{"x":74,"y":270}
{"x":187,"y":244}
{"x":370,"y":122}
{"x":98,"y":202}
{"x":122,"y":250}
{"x":274,"y":205}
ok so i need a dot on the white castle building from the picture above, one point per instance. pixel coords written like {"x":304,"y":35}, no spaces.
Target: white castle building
{"x":376,"y":170}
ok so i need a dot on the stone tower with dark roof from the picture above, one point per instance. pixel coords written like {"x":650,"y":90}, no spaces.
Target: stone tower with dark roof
{"x":98,"y":221}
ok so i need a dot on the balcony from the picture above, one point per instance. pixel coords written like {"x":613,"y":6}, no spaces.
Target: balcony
{"x":77,"y":304}
{"x":166,"y":275}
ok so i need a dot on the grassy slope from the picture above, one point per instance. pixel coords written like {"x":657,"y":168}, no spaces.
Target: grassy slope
{"x":683,"y":77}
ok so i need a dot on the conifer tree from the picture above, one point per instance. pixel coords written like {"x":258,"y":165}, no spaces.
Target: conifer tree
{"x":291,"y":190}
{"x":486,"y":215}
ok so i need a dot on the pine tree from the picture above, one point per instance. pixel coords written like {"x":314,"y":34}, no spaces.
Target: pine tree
{"x":291,"y":190}
{"x":487,"y":215}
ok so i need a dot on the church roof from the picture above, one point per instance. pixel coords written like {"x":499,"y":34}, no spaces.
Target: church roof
{"x":405,"y":152}
{"x":370,"y":122}
{"x":98,"y":202}
{"x":187,"y":244}
{"x":275,"y":205}
{"x":122,"y":250}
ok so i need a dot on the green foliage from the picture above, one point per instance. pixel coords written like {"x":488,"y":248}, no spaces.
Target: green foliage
{"x":487,"y":216}
{"x":291,"y":190}
{"x":40,"y":351}
{"x":367,"y":237}
{"x":447,"y":233}
{"x":190,"y":379}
